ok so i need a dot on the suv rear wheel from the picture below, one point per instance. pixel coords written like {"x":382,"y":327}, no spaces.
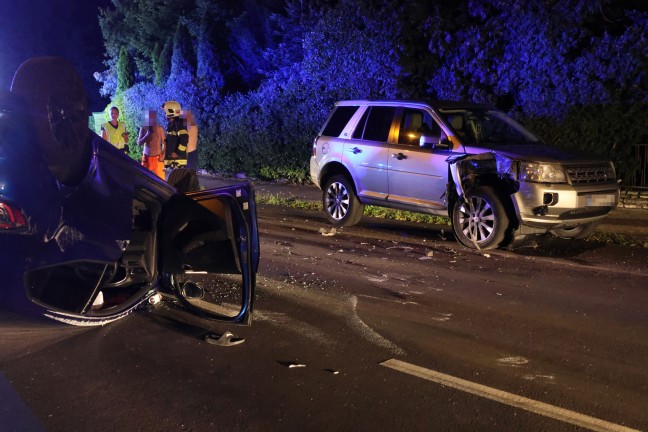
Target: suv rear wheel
{"x":340,"y":202}
{"x":481,"y":222}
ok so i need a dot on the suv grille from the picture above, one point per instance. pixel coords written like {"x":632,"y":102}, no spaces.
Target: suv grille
{"x":589,"y":175}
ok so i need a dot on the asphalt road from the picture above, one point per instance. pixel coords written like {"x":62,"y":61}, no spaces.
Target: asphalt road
{"x":385,"y":326}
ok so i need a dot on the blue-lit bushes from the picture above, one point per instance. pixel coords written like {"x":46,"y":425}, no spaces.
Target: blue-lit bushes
{"x":573,"y":78}
{"x":261,"y":76}
{"x":268,"y":131}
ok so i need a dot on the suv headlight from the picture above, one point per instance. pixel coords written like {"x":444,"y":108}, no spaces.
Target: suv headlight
{"x":542,"y":173}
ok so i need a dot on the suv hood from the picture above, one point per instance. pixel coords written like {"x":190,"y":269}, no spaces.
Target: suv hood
{"x":538,"y":153}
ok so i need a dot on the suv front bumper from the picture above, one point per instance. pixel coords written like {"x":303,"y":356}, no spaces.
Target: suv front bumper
{"x":552,"y":206}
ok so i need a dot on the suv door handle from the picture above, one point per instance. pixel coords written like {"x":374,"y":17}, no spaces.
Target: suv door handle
{"x":355,"y":150}
{"x":399,"y":156}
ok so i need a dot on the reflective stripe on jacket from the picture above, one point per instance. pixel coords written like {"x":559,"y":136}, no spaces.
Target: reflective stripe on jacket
{"x":177,"y":138}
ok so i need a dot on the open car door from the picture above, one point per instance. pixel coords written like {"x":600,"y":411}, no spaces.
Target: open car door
{"x":209,"y":252}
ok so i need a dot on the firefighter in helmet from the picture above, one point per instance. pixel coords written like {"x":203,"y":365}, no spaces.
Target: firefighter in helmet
{"x":177,"y":136}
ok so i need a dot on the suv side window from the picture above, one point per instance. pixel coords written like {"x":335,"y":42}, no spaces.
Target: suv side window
{"x":414,"y":123}
{"x":338,"y":120}
{"x":379,"y":124}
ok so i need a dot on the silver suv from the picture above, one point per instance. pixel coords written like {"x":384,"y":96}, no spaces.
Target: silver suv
{"x":470,"y":162}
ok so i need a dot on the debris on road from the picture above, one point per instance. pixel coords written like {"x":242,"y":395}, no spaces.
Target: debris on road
{"x":514,"y":361}
{"x":226,"y":339}
{"x":326,"y":233}
{"x":404,"y":248}
{"x":428,"y":255}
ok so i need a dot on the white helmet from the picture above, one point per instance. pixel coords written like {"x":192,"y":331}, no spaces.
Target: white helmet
{"x":171,"y":109}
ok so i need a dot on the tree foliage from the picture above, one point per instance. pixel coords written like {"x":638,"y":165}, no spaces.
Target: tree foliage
{"x":125,"y":71}
{"x":262,"y":75}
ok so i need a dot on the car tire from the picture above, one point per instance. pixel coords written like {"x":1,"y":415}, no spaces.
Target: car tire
{"x":481,"y":222}
{"x":56,"y":102}
{"x":579,"y":232}
{"x":340,"y":202}
{"x":184,"y":180}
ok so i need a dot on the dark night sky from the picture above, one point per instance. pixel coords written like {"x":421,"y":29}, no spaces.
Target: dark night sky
{"x":53,"y":27}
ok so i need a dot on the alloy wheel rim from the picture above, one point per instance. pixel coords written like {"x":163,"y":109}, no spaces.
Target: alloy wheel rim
{"x":477,"y":220}
{"x":337,"y":201}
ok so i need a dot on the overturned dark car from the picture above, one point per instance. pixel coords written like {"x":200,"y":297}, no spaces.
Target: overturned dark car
{"x":87,"y":234}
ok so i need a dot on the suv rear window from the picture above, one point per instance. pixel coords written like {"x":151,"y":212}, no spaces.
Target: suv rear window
{"x":338,"y":120}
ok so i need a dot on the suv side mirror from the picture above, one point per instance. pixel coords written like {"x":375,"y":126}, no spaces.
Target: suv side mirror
{"x":428,"y":141}
{"x":435,"y":142}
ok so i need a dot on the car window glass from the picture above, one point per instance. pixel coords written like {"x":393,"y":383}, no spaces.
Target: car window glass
{"x":338,"y":120}
{"x":479,"y":126}
{"x":414,"y":123}
{"x":379,"y":123}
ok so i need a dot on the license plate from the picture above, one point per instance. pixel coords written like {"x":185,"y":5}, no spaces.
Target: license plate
{"x":599,"y":200}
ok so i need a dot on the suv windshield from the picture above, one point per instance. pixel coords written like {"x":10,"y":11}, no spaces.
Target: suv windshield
{"x":481,"y":126}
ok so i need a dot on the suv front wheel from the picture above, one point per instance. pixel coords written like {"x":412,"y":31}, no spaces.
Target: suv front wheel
{"x":481,"y":221}
{"x":340,"y":202}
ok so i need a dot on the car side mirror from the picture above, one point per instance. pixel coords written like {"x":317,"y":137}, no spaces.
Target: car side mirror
{"x":428,"y":141}
{"x":435,"y":142}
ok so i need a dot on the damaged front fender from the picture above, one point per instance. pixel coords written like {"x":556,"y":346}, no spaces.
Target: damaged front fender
{"x":466,"y":172}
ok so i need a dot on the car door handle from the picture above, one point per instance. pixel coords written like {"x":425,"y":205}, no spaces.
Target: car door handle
{"x":355,"y":150}
{"x":399,"y":156}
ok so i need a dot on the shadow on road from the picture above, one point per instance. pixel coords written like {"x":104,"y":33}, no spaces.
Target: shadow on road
{"x":538,"y":245}
{"x":550,"y":246}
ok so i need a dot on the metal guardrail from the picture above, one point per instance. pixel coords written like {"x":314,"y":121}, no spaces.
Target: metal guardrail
{"x":640,"y":179}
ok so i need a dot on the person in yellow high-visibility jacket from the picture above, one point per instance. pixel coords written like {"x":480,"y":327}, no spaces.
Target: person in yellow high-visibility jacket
{"x":177,"y":136}
{"x":114,"y":131}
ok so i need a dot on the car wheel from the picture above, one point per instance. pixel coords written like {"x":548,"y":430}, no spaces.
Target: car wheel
{"x":184,"y":180}
{"x":579,"y":232}
{"x":481,"y":222}
{"x":57,"y":105}
{"x":340,"y":202}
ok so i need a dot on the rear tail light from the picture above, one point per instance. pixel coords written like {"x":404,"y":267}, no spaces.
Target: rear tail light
{"x":11,"y":217}
{"x":314,"y":151}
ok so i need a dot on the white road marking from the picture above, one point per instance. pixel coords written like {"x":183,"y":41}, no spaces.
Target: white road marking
{"x":511,"y":399}
{"x":300,"y":327}
{"x":370,"y":334}
{"x":331,"y":304}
